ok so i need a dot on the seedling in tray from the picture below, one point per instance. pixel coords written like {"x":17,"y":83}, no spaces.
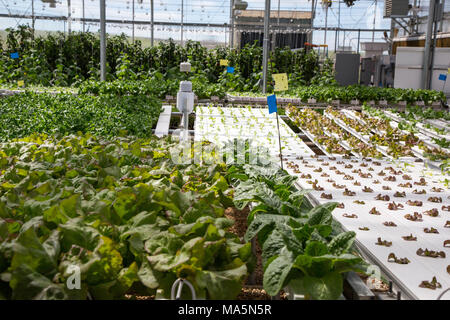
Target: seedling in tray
{"x":383,"y":242}
{"x":393,"y":258}
{"x":430,"y":230}
{"x":430,"y":253}
{"x":409,"y":238}
{"x":349,"y":193}
{"x":414,"y":217}
{"x":316,"y":186}
{"x":382,"y":198}
{"x":433,"y":285}
{"x":432,"y":212}
{"x":435,"y":199}
{"x":338,"y":186}
{"x":381,"y":173}
{"x":365,"y":175}
{"x":405,"y":185}
{"x":415,"y":203}
{"x":395,"y":206}
{"x":422,"y":182}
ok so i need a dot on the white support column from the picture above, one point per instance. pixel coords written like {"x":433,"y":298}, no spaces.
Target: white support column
{"x":84,"y":17}
{"x":266,"y":44}
{"x":339,"y":25}
{"x":102,"y":40}
{"x":182,"y":20}
{"x":326,"y":25}
{"x":312,"y":20}
{"x":69,"y":17}
{"x":374,"y":21}
{"x":132,"y":22}
{"x":153,"y":21}
{"x":32,"y":16}
{"x":442,"y":18}
{"x":428,"y":41}
{"x":232,"y":24}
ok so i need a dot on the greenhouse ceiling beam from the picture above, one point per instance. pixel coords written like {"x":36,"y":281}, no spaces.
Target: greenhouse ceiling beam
{"x":141,"y":22}
{"x":319,"y":28}
{"x":186,"y":24}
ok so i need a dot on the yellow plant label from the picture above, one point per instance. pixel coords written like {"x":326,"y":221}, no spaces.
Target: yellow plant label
{"x":20,"y":83}
{"x":448,"y":71}
{"x":223,"y":62}
{"x":281,"y":81}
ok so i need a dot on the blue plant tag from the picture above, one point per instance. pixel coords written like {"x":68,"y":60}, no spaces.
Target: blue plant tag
{"x":443,"y":77}
{"x":230,"y":69}
{"x":272,"y":102}
{"x":14,"y":55}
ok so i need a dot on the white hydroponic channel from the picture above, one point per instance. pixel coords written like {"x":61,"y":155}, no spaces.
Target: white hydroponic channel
{"x":420,"y":126}
{"x":423,"y":137}
{"x":420,"y":268}
{"x":416,"y":150}
{"x":329,"y":134}
{"x":222,"y":124}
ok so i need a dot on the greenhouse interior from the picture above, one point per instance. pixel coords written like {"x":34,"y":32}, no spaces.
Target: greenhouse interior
{"x":225,"y":150}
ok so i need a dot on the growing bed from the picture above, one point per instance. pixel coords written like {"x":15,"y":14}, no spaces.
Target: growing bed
{"x":420,"y":268}
{"x":414,"y":184}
